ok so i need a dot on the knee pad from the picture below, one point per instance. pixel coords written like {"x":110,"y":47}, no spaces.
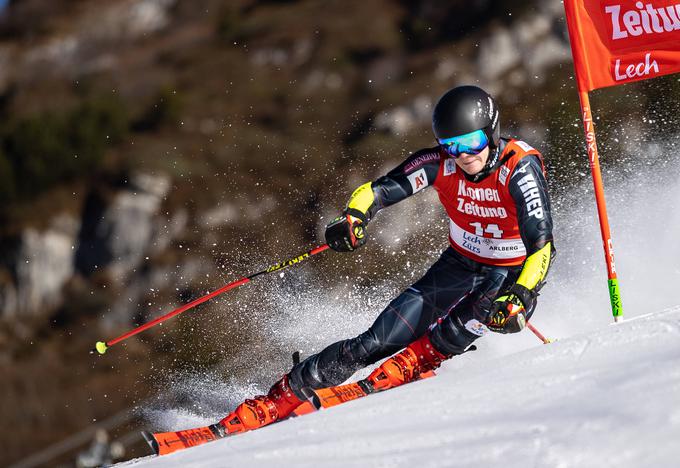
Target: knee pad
{"x":450,"y":335}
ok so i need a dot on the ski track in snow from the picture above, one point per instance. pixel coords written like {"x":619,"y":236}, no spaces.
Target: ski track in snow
{"x":610,"y":397}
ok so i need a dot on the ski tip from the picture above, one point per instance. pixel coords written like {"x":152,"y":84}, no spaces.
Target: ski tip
{"x":151,"y":440}
{"x":101,"y":347}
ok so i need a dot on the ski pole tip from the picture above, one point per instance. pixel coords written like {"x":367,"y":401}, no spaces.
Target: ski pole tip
{"x":101,"y":347}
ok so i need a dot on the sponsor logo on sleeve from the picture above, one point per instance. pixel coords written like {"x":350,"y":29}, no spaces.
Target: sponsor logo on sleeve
{"x":420,"y":161}
{"x":532,"y":197}
{"x":418,"y":180}
{"x":521,"y":168}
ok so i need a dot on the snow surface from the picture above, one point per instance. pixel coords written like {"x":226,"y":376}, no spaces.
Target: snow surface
{"x":602,"y":395}
{"x":610,"y":397}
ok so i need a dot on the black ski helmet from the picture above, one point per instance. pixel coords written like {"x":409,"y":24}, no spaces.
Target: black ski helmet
{"x":465,"y":109}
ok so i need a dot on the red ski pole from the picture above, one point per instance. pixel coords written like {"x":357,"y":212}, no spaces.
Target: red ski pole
{"x":538,"y":334}
{"x":102,"y":346}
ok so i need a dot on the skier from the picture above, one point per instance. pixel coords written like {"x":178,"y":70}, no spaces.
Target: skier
{"x":501,"y":245}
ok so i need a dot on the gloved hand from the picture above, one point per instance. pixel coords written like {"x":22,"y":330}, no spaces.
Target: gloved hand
{"x":346,"y":233}
{"x":508,"y":311}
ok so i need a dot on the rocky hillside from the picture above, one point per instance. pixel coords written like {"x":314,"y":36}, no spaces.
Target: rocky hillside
{"x":207,"y":105}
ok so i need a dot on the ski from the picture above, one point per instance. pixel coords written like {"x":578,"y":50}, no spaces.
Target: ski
{"x":163,"y":443}
{"x":333,"y":396}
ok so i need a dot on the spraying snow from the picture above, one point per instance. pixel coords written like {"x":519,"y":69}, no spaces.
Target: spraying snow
{"x":602,"y":395}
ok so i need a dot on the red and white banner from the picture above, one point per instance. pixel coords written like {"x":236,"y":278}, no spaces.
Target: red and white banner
{"x":620,"y":41}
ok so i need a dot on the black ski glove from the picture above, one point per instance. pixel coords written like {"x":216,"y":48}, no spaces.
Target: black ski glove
{"x":508,"y":311}
{"x":347,"y":232}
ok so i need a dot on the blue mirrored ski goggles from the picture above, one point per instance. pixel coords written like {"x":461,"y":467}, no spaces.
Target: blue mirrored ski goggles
{"x":470,"y":143}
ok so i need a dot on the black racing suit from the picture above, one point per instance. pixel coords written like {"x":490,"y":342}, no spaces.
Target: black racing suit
{"x":456,"y":291}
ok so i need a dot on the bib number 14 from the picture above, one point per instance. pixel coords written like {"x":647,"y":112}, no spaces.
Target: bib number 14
{"x":492,"y":229}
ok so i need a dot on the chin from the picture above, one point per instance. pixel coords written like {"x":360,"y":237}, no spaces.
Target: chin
{"x":473,"y":169}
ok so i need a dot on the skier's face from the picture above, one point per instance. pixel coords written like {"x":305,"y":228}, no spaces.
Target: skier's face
{"x":473,"y":163}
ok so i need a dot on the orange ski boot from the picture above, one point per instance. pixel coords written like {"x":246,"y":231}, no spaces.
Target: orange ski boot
{"x":406,"y":366}
{"x":278,"y":404}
